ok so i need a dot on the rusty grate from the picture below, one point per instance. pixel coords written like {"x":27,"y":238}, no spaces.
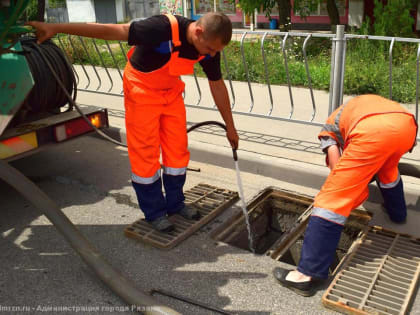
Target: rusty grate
{"x":379,"y":277}
{"x":210,"y":201}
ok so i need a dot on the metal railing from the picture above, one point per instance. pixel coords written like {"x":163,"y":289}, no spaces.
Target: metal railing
{"x":392,"y":41}
{"x":261,"y":104}
{"x":282,"y":37}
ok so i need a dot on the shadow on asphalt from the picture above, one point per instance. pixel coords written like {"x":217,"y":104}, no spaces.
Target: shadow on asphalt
{"x":40,"y":269}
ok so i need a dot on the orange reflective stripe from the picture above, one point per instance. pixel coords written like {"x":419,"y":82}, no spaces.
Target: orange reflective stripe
{"x":174,"y":29}
{"x":17,"y":145}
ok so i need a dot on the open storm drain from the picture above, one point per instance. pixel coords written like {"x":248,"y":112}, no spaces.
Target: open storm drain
{"x":379,"y":276}
{"x":210,"y":201}
{"x":278,"y":220}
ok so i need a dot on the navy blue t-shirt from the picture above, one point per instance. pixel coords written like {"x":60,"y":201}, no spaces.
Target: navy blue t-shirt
{"x":151,"y":38}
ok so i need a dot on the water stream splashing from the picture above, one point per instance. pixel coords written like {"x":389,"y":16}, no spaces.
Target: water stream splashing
{"x":243,"y":206}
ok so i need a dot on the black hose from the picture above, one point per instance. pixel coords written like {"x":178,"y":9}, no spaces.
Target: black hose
{"x":46,"y":97}
{"x":68,"y":96}
{"x":73,"y":103}
{"x":115,"y":280}
{"x":409,"y":169}
{"x":48,"y":56}
{"x":52,"y":57}
{"x":205,"y":123}
{"x":61,"y":82}
{"x":217,"y":123}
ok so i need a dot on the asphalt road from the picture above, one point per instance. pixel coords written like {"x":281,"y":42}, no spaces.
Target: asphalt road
{"x":90,"y":180}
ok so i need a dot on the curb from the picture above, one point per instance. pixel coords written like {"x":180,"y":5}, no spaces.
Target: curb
{"x":283,"y":169}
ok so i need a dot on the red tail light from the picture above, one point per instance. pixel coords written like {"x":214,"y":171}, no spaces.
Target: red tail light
{"x":78,"y":127}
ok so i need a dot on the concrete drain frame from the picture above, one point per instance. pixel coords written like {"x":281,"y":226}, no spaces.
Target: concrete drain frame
{"x":278,"y":220}
{"x":209,"y":200}
{"x":379,"y":276}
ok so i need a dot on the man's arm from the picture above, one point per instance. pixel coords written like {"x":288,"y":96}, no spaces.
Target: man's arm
{"x":333,"y":156}
{"x":221,"y":98}
{"x":45,"y":31}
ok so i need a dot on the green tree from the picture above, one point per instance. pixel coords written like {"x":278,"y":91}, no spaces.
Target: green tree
{"x":41,"y":10}
{"x":305,"y":7}
{"x":31,"y":11}
{"x":36,"y":8}
{"x":393,"y":18}
{"x":284,"y":14}
{"x":333,"y":12}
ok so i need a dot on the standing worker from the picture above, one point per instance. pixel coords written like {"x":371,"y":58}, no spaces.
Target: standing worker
{"x":165,"y":47}
{"x":365,"y":137}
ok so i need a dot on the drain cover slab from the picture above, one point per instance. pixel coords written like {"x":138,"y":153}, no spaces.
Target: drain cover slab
{"x":210,"y":201}
{"x":379,"y":276}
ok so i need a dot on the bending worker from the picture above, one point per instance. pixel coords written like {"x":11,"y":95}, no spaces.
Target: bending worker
{"x":372,"y":133}
{"x":165,"y":47}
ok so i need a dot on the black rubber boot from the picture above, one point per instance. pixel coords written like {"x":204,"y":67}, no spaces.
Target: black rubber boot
{"x":162,"y":224}
{"x":189,"y":213}
{"x":394,"y":202}
{"x":306,"y":288}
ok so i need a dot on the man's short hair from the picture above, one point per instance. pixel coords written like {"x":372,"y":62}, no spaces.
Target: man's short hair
{"x":216,"y":25}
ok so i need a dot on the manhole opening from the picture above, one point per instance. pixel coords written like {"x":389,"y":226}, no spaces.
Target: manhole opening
{"x":278,"y":220}
{"x":269,"y":221}
{"x":350,"y":234}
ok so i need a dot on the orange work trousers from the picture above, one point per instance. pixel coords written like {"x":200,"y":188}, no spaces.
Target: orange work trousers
{"x":155,"y":127}
{"x":155,"y":118}
{"x":375,"y":147}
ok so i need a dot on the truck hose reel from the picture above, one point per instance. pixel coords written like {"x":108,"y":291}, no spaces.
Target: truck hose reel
{"x":46,"y":97}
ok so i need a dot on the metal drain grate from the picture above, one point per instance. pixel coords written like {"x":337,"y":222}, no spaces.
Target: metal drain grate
{"x":379,"y":276}
{"x":210,"y":201}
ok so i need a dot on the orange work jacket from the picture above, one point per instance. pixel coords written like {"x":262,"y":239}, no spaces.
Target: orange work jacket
{"x":162,"y":85}
{"x":343,"y":120}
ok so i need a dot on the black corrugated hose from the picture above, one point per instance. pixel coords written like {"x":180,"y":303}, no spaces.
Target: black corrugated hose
{"x":121,"y":285}
{"x":54,"y":84}
{"x":60,"y":89}
{"x":46,"y":96}
{"x":62,"y":85}
{"x":45,"y":59}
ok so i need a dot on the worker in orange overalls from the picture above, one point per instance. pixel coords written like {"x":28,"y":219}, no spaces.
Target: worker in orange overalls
{"x":365,"y":137}
{"x":165,"y":47}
